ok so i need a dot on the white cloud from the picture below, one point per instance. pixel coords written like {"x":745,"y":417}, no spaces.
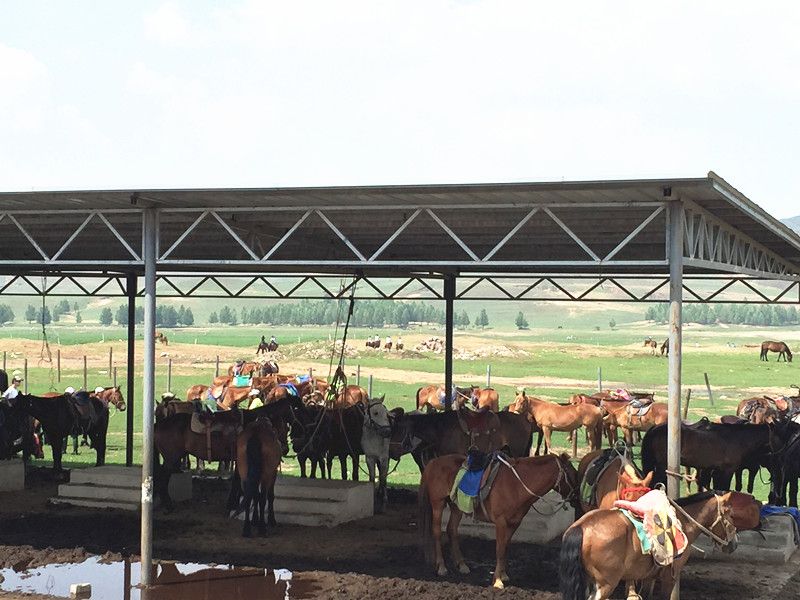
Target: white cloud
{"x":168,"y":25}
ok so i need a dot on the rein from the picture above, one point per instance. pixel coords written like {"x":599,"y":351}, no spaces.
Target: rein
{"x":561,"y":474}
{"x":720,"y":518}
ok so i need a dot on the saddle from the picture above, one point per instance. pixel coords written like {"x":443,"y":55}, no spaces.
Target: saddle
{"x":227,"y":424}
{"x":639,"y":407}
{"x":83,"y":410}
{"x":659,"y":530}
{"x":291,"y":388}
{"x":474,"y":480}
{"x":592,"y":475}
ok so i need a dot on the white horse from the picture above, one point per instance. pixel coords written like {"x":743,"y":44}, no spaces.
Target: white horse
{"x":375,"y":434}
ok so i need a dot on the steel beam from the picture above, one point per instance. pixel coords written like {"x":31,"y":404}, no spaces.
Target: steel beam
{"x":449,"y":298}
{"x":130,"y":288}
{"x":149,"y":250}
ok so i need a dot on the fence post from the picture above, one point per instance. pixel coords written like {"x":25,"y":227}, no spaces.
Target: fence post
{"x":358,"y":374}
{"x":686,"y":406}
{"x":574,"y":443}
{"x":85,"y":374}
{"x":169,"y":375}
{"x":216,"y":371}
{"x":310,"y":373}
{"x":115,"y":377}
{"x":708,"y":389}
{"x":599,"y":379}
{"x":25,"y":376}
{"x":488,"y":376}
{"x":110,"y":360}
{"x":369,"y":387}
{"x":58,"y":364}
{"x":4,"y":361}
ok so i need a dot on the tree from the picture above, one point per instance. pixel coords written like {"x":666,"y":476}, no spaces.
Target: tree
{"x":521,"y":322}
{"x":181,"y":314}
{"x":169,"y":316}
{"x":121,"y":317}
{"x":106,"y":317}
{"x":791,"y":315}
{"x":139,"y":314}
{"x":56,"y":316}
{"x":78,"y":318}
{"x":75,"y":307}
{"x":30,"y":313}
{"x":43,"y":317}
{"x":483,"y":319}
{"x":225,"y":315}
{"x":6,"y":314}
{"x":612,"y":323}
{"x":188,"y":318}
{"x":213,"y":318}
{"x":63,"y":307}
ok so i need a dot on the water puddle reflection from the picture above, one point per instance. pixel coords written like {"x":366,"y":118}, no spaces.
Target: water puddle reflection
{"x":173,"y":581}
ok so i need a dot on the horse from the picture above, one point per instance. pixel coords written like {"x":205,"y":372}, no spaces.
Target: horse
{"x":435,"y":434}
{"x":556,"y":417}
{"x":17,"y":433}
{"x":248,"y":368}
{"x":720,"y":449}
{"x":268,"y":367}
{"x":65,"y":414}
{"x":272,"y":346}
{"x":373,"y":344}
{"x":387,"y":346}
{"x":160,"y":337}
{"x":262,"y":348}
{"x":517,"y":431}
{"x":617,"y":475}
{"x":785,"y":470}
{"x":518,"y":484}
{"x":780,"y":347}
{"x":351,"y":395}
{"x":761,"y":410}
{"x":375,"y":434}
{"x":665,"y":347}
{"x":602,"y":548}
{"x":310,"y":439}
{"x":656,"y":415}
{"x":432,"y":397}
{"x":652,"y":344}
{"x":259,"y":448}
{"x":399,"y":346}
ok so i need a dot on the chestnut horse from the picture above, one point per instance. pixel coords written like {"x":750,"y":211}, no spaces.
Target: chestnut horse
{"x":429,"y":397}
{"x":780,"y":347}
{"x":556,"y":417}
{"x":519,"y":483}
{"x":160,"y":337}
{"x":602,"y":548}
{"x":618,"y":474}
{"x":652,"y":344}
{"x":657,"y":415}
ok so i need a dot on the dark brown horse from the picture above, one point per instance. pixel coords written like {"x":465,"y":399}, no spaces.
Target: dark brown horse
{"x":259,"y":448}
{"x":453,"y":432}
{"x":780,"y":347}
{"x":665,"y":347}
{"x":518,"y":484}
{"x":601,"y":549}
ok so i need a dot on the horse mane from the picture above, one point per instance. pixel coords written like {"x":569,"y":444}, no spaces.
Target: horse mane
{"x":698,"y":497}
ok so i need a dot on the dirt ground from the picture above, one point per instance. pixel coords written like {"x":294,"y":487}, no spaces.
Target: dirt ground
{"x":377,"y":557}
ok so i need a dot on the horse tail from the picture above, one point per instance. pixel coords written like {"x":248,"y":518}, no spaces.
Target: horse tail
{"x":571,"y":572}
{"x":418,"y":392}
{"x":253,"y":479}
{"x":425,"y":521}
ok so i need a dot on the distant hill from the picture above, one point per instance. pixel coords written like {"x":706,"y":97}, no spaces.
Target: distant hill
{"x":793,"y":222}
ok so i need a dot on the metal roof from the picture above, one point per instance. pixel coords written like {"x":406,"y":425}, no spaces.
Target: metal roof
{"x":577,"y":227}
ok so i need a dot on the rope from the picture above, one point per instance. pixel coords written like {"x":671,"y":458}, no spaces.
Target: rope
{"x":558,"y":505}
{"x":45,"y":355}
{"x":702,"y":528}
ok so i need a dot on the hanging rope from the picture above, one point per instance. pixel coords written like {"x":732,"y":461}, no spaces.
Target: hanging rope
{"x":339,"y":379}
{"x":45,"y":355}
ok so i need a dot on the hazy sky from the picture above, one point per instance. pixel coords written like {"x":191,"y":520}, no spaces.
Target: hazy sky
{"x":246,"y":93}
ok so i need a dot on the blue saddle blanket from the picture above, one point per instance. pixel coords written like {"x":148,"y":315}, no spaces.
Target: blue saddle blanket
{"x":292,"y":389}
{"x":768,"y":510}
{"x":470,"y":483}
{"x":302,"y":378}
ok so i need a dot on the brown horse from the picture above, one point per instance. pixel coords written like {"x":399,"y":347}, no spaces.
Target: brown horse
{"x":431,"y":397}
{"x":761,"y":409}
{"x":652,"y":344}
{"x":780,"y":347}
{"x":550,"y":417}
{"x":519,"y":483}
{"x":630,"y":422}
{"x":259,"y":448}
{"x":602,"y":548}
{"x":160,"y":337}
{"x":665,"y":347}
{"x":248,"y":368}
{"x":618,"y":474}
{"x":110,"y":395}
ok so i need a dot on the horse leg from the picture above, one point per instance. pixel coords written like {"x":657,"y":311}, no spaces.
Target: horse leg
{"x":436,"y":530}
{"x":632,"y":594}
{"x":792,"y":499}
{"x":74,"y":445}
{"x":738,"y":485}
{"x":547,"y":433}
{"x":56,"y":446}
{"x":302,"y":461}
{"x":539,"y":443}
{"x":383,"y":474}
{"x":356,"y":459}
{"x":452,"y":533}
{"x":262,"y":501}
{"x":271,"y":499}
{"x":235,"y":493}
{"x":502,"y":532}
{"x":751,"y":479}
{"x":247,"y":528}
{"x":370,"y":460}
{"x":343,"y":465}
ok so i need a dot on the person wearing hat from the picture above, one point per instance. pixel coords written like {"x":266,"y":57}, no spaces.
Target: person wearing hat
{"x":13,"y":389}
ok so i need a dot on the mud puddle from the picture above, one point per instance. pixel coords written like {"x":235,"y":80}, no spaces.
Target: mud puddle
{"x":119,"y":580}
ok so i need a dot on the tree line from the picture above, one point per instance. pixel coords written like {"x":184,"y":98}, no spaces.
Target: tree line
{"x":166,"y":316}
{"x":43,"y":314}
{"x":736,"y":314}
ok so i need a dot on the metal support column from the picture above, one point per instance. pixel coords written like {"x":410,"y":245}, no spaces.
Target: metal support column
{"x":676,"y":217}
{"x":148,"y":390}
{"x":449,"y":298}
{"x":130,"y":290}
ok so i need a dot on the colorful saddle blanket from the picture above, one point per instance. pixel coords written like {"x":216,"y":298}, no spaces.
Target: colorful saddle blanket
{"x":291,"y":388}
{"x":473,"y":482}
{"x":659,"y":530}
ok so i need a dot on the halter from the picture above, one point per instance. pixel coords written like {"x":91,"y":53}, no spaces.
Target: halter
{"x":730,"y":528}
{"x":370,"y":422}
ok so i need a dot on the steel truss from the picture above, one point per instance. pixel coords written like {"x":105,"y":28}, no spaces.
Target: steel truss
{"x":527,"y":287}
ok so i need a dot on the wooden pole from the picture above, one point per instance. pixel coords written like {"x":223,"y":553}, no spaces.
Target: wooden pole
{"x":369,"y":387}
{"x":110,"y":360}
{"x":216,"y":369}
{"x":358,"y":374}
{"x":686,"y":406}
{"x":599,"y":379}
{"x":25,"y":376}
{"x":114,"y":381}
{"x":708,"y":389}
{"x":575,"y":443}
{"x":488,"y":376}
{"x":58,"y":364}
{"x":169,"y":375}
{"x":85,"y":374}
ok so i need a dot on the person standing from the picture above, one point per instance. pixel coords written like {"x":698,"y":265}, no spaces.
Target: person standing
{"x":13,"y":389}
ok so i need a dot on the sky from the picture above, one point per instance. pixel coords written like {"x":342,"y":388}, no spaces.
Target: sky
{"x":246,"y":93}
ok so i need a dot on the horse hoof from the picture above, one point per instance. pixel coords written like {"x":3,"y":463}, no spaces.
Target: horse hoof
{"x":498,"y":584}
{"x":442,"y":571}
{"x":463,"y":569}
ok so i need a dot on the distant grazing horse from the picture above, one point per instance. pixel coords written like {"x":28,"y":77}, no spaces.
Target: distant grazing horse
{"x":436,"y":434}
{"x":516,"y":487}
{"x":652,"y":344}
{"x":780,"y":347}
{"x":665,"y":347}
{"x":259,"y":448}
{"x":556,"y":417}
{"x":619,"y":474}
{"x":65,"y":414}
{"x":601,"y":549}
{"x":160,"y":337}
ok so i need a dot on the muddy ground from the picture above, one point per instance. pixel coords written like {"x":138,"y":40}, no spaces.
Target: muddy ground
{"x":373,"y":558}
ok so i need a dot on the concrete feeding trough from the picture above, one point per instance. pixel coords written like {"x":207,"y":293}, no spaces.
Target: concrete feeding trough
{"x":80,"y":590}
{"x":775,"y":543}
{"x":12,"y":475}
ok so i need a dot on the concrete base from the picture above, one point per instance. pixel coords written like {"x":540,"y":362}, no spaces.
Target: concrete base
{"x":113,"y":486}
{"x":321,"y":502}
{"x":12,"y":475}
{"x":773,"y":544}
{"x":535,"y":528}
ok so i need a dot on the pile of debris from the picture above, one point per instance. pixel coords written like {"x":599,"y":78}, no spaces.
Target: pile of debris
{"x":433,"y":344}
{"x":489,"y":352}
{"x":322,"y":350}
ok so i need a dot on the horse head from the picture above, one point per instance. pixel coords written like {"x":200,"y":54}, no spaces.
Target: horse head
{"x":376,"y":417}
{"x":115,"y":397}
{"x":568,"y":482}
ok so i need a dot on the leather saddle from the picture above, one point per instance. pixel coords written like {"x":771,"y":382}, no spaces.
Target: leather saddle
{"x":82,"y":407}
{"x":638,"y":407}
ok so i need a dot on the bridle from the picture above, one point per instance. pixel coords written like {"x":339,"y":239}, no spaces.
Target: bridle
{"x":727,"y":524}
{"x":369,"y":422}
